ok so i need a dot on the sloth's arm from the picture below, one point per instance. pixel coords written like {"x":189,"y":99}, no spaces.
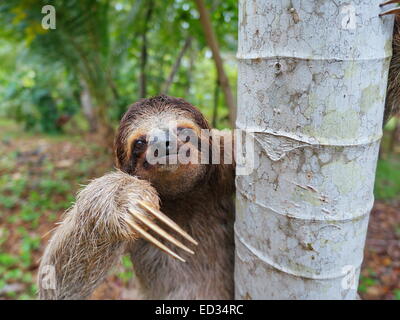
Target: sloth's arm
{"x":108,"y":214}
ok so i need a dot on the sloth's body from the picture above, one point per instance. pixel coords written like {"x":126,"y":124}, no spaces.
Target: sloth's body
{"x":206,"y":275}
{"x":97,"y":230}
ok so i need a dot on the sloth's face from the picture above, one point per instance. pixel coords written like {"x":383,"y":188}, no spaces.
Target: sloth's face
{"x":165,"y":149}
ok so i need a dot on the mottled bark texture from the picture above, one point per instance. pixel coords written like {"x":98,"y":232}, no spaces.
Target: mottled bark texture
{"x":312,"y":84}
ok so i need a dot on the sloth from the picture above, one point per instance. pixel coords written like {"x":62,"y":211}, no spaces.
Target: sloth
{"x":128,"y":211}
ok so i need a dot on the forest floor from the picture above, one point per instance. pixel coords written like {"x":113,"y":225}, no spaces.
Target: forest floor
{"x":40,"y":174}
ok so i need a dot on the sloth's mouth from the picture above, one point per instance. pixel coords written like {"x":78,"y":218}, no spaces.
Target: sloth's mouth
{"x":166,"y":163}
{"x":170,"y":160}
{"x":173,"y":159}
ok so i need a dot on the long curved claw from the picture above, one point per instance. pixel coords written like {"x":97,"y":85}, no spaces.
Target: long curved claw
{"x":389,"y":2}
{"x":390,"y":11}
{"x":153,"y":240}
{"x":142,"y":218}
{"x":158,"y":214}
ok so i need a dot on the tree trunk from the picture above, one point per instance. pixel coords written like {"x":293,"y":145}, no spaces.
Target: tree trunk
{"x":215,"y":109}
{"x":213,"y":44}
{"x":87,"y":107}
{"x":143,"y":54}
{"x":311,"y":91}
{"x":189,"y":73}
{"x":176,"y":65}
{"x":100,"y":98}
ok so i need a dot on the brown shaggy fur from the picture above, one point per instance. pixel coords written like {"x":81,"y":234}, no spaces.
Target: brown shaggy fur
{"x":393,"y":94}
{"x":94,"y":235}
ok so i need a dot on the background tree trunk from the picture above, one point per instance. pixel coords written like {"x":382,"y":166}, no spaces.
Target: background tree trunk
{"x":87,"y":107}
{"x":176,"y":65}
{"x":143,"y":54}
{"x":215,"y":107}
{"x":213,"y":44}
{"x":312,"y":85}
{"x":189,"y":72}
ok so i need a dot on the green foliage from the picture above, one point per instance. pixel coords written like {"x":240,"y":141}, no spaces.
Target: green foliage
{"x":99,"y":43}
{"x":35,"y":95}
{"x":387,"y":185}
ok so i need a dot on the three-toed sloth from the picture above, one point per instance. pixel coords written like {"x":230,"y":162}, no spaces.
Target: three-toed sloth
{"x":129,"y":209}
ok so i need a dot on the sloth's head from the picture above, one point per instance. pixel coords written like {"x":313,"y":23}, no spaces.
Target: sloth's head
{"x":159,"y":140}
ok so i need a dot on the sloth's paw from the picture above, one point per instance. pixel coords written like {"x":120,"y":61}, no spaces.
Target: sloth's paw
{"x":141,"y":217}
{"x":120,"y":207}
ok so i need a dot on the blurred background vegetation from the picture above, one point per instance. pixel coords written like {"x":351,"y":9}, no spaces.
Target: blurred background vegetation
{"x":63,"y":91}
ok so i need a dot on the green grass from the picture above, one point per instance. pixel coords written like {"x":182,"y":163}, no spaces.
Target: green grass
{"x":32,"y":198}
{"x":396,"y":293}
{"x":23,"y":201}
{"x":10,"y":130}
{"x":365,"y":283}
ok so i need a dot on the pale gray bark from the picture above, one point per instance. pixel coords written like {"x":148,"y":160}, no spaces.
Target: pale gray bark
{"x":312,"y":85}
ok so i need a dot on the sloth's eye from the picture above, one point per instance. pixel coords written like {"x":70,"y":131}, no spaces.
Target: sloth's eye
{"x":185,"y":134}
{"x":139,"y":145}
